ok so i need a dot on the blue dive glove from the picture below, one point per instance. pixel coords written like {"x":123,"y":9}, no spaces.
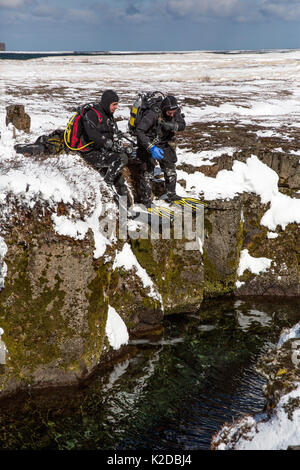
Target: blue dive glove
{"x":157,"y":153}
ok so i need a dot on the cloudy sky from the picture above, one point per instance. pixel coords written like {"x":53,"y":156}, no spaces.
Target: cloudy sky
{"x":84,"y":25}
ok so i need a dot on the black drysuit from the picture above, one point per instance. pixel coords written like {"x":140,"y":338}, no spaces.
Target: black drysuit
{"x":100,"y":127}
{"x":159,"y":129}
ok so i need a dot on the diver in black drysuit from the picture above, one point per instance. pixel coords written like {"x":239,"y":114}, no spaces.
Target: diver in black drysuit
{"x":100,"y":128}
{"x":156,"y":140}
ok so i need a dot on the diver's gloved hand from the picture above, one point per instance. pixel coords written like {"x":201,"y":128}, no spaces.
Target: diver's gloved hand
{"x":169,"y":125}
{"x":156,"y":152}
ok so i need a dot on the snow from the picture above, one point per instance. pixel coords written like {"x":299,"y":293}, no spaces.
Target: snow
{"x":3,"y":349}
{"x":287,"y":334}
{"x":253,"y":176}
{"x":247,"y":80}
{"x":200,"y":245}
{"x":244,"y":89}
{"x":283,"y":210}
{"x":116,"y":330}
{"x":242,"y":86}
{"x":254,"y":265}
{"x":237,"y":88}
{"x":78,"y":229}
{"x":282,"y":429}
{"x":203,"y":158}
{"x":279,"y":432}
{"x":239,"y":284}
{"x":255,"y":433}
{"x":126,"y":259}
{"x":268,"y":133}
{"x":272,"y":235}
{"x":62,"y":179}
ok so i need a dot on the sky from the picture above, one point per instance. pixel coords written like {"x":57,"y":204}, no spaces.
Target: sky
{"x":149,"y":25}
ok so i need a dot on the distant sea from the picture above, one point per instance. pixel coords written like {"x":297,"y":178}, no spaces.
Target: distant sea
{"x":36,"y":55}
{"x":15,"y":55}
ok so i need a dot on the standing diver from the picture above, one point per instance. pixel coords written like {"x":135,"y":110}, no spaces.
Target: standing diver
{"x":156,"y":140}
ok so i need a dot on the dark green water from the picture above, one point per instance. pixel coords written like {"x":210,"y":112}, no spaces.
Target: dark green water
{"x":172,"y":392}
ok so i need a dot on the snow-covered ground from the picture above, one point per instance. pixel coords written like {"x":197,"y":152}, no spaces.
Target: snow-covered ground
{"x":244,"y":89}
{"x":263,"y":87}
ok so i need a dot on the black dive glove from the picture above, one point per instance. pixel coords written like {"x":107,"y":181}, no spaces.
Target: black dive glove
{"x":169,"y":125}
{"x":128,"y":150}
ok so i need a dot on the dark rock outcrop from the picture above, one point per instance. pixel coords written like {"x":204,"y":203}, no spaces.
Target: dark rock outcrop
{"x":55,"y":300}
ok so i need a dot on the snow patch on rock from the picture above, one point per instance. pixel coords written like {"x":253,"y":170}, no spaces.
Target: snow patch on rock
{"x":255,"y":265}
{"x":126,"y":259}
{"x":277,"y":433}
{"x":116,"y":330}
{"x":289,"y":333}
{"x":63,"y":179}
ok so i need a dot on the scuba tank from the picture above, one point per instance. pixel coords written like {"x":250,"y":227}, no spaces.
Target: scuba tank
{"x":134,"y":112}
{"x":144,"y":101}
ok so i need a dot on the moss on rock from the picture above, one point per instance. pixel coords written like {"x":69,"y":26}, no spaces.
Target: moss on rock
{"x":176,"y":270}
{"x":53,"y":308}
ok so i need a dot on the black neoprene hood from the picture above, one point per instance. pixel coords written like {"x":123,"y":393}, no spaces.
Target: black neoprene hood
{"x":108,"y":97}
{"x":169,"y":103}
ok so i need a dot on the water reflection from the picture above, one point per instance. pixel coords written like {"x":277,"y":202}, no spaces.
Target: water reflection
{"x":169,"y":392}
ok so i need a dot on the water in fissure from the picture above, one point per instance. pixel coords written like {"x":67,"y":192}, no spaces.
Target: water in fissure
{"x":167,"y":392}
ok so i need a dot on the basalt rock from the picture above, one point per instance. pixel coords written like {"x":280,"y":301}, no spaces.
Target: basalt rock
{"x":54,"y":304}
{"x":177,"y":269}
{"x":283,"y":276}
{"x":222,"y":245}
{"x":281,"y":367}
